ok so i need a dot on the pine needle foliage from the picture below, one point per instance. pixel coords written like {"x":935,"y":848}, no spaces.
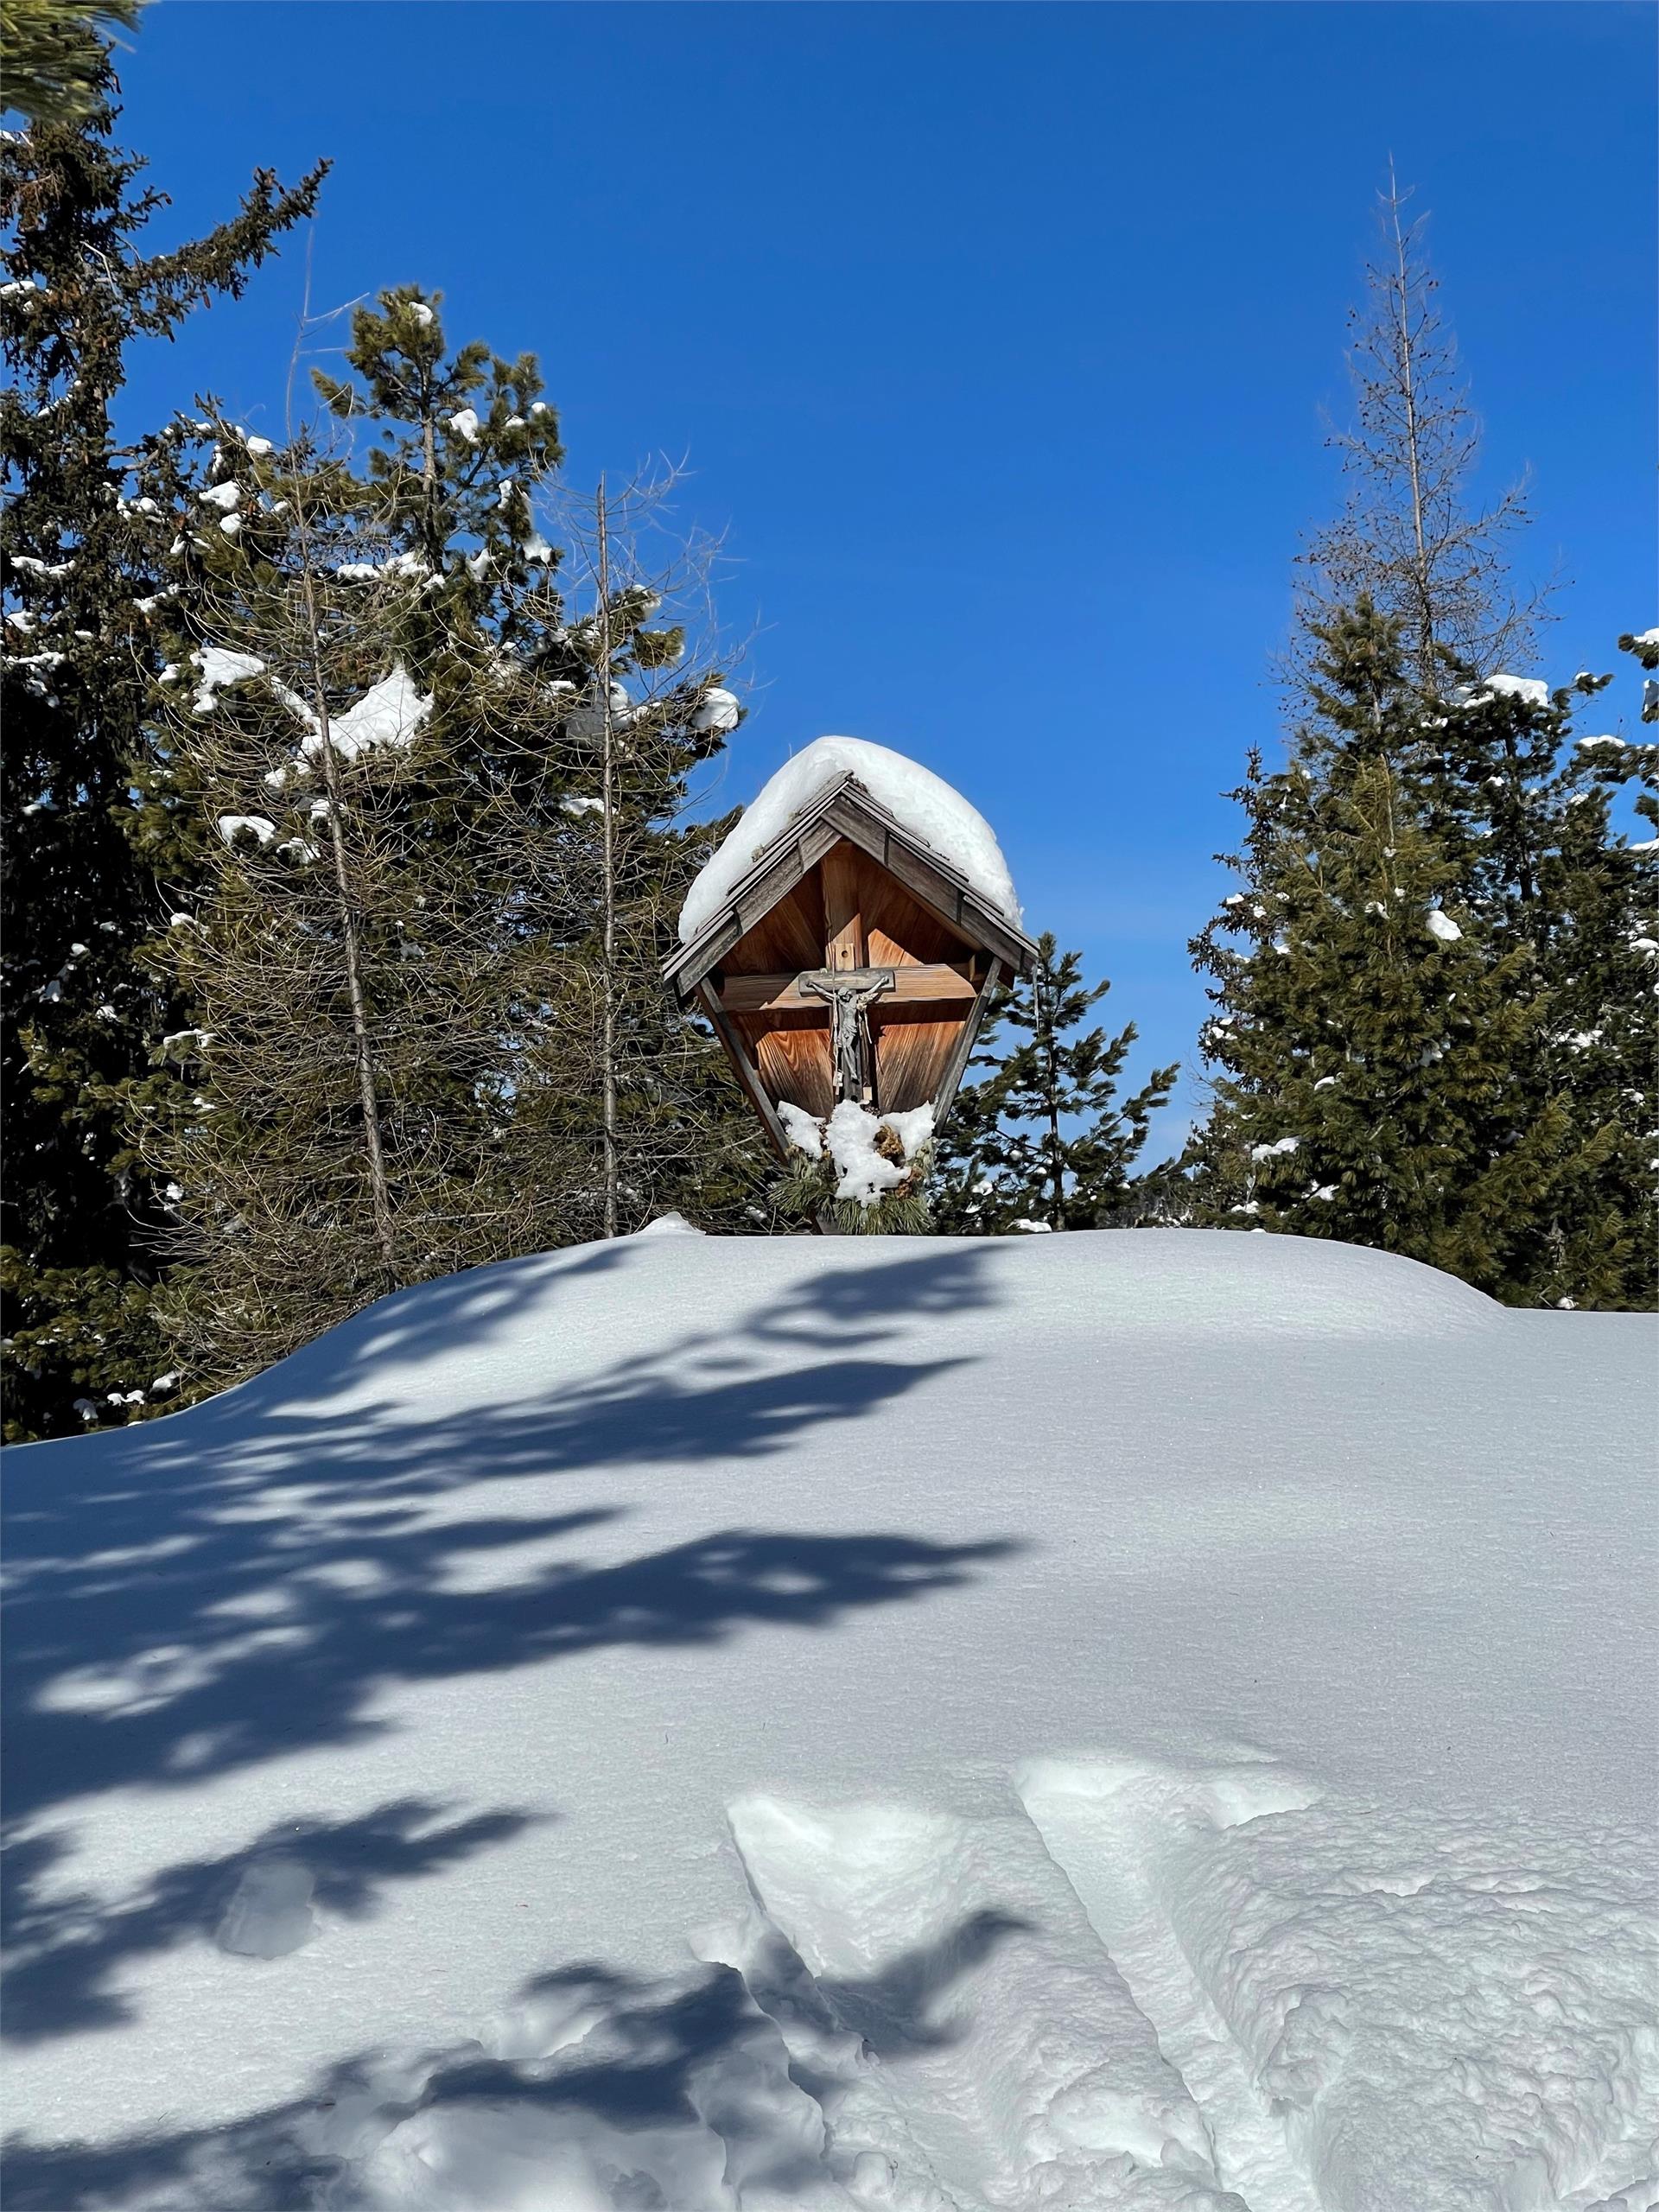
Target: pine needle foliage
{"x":397,"y":752}
{"x":804,"y":1196}
{"x":1045,"y":1137}
{"x":54,"y":65}
{"x":1432,"y":947}
{"x":83,"y":569}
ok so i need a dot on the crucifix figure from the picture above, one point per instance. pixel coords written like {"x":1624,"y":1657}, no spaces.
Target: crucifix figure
{"x":851,"y":992}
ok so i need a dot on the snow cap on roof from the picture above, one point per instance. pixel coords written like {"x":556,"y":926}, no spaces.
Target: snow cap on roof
{"x":927,"y":805}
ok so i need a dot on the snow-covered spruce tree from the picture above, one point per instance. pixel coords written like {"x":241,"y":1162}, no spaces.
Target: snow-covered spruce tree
{"x":1409,"y":537}
{"x":1387,"y":1043}
{"x":1644,"y":645}
{"x":383,"y":762}
{"x":620,"y":1081}
{"x":81,"y":1003}
{"x":1046,"y":1140}
{"x":1523,"y":810}
{"x":1601,"y":889}
{"x":340,"y":1124}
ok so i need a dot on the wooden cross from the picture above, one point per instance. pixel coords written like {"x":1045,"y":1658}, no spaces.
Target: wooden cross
{"x":852,"y":994}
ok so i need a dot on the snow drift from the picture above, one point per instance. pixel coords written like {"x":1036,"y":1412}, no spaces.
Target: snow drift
{"x":1151,"y":1719}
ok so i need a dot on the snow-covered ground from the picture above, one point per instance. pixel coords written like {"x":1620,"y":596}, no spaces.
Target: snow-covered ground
{"x":1144,"y":1719}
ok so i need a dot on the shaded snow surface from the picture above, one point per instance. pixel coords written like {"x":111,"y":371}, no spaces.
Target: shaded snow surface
{"x":929,"y":808}
{"x":1151,"y":1719}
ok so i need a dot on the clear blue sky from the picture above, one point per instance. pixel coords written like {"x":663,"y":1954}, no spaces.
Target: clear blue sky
{"x":997,"y":336}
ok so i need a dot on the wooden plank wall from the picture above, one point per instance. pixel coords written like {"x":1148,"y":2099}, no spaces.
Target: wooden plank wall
{"x":848,"y":913}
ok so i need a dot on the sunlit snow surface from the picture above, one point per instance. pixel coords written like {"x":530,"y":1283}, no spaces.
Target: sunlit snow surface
{"x":928,"y":807}
{"x":1143,"y":1720}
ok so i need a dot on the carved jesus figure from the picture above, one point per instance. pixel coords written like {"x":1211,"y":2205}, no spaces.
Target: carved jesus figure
{"x":851,"y":992}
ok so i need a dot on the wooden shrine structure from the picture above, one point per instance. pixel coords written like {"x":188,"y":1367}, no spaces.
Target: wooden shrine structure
{"x":851,"y":961}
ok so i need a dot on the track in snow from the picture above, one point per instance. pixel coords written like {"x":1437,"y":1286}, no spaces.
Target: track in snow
{"x":969,"y":2039}
{"x":1127,"y":1986}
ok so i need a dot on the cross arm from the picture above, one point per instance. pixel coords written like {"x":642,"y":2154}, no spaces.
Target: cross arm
{"x":935,"y":983}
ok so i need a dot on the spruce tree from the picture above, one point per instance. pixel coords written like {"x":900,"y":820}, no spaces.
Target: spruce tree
{"x":395,"y":741}
{"x":81,"y":1005}
{"x":1045,"y":1138}
{"x":612,"y":627}
{"x":1397,"y":1060}
{"x":1500,"y":1078}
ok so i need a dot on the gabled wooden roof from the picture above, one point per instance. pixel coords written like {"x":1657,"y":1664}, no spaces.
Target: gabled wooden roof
{"x":845,"y":810}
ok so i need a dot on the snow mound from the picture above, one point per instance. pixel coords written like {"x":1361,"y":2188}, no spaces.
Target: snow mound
{"x":925,"y":803}
{"x":1152,"y":1720}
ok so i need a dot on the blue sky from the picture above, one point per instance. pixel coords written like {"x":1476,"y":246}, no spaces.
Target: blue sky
{"x":997,"y":337}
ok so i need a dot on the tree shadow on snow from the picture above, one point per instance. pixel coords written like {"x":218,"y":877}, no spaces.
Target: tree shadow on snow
{"x":655,"y":2095}
{"x":244,"y":1579}
{"x":65,"y":1949}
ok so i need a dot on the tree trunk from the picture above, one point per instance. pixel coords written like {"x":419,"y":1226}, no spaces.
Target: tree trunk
{"x":380,"y":1196}
{"x":1426,"y":671}
{"x":609,"y":786}
{"x":1056,"y":1167}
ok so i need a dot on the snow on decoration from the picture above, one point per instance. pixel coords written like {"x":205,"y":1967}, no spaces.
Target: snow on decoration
{"x":869,"y":1154}
{"x":717,"y":709}
{"x":804,"y":1131}
{"x":1443,"y":927}
{"x":923,"y":802}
